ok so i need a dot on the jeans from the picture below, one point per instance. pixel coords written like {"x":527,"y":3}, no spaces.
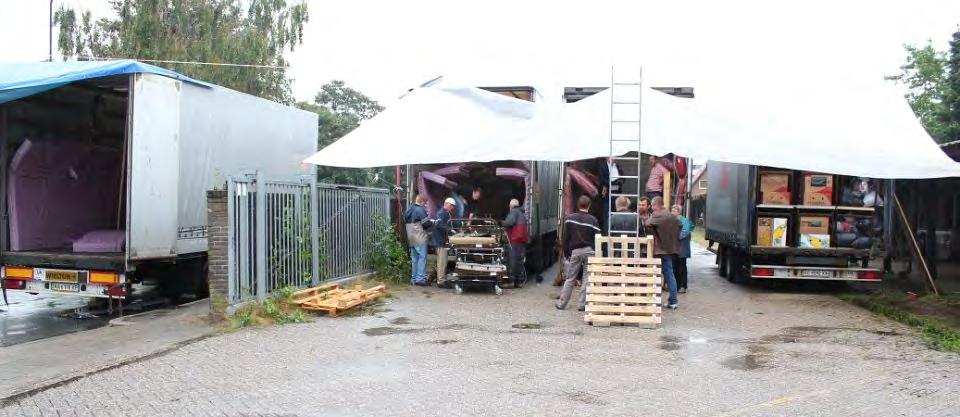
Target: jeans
{"x":574,"y":268}
{"x":418,"y":261}
{"x":517,"y":252}
{"x":680,"y":271}
{"x":667,"y":265}
{"x":652,"y":194}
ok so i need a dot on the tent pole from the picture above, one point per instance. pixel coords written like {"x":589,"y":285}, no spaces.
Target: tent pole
{"x":914,"y":245}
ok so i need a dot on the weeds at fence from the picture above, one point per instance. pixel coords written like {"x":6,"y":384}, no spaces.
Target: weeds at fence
{"x":388,"y":258}
{"x":278,"y":308}
{"x":938,"y":334}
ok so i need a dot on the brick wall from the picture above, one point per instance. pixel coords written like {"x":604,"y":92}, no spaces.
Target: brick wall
{"x":217,"y":243}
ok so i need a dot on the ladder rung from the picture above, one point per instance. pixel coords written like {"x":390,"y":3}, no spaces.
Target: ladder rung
{"x":624,"y":195}
{"x":626,"y":102}
{"x":625,"y":121}
{"x":626,"y":84}
{"x":625,"y":140}
{"x":625,"y":158}
{"x":621,"y":213}
{"x":626,"y":177}
{"x":625,"y":232}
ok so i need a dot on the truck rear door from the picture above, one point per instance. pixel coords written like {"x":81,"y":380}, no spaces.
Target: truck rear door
{"x":153,"y":155}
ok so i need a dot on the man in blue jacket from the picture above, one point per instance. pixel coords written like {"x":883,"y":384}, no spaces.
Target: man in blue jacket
{"x":417,"y":238}
{"x":440,"y":234}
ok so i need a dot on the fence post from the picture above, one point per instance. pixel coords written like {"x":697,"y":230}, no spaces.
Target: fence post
{"x":314,"y":231}
{"x":233,"y":293}
{"x":260,"y":240}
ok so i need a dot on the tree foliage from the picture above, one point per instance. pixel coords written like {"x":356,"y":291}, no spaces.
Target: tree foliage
{"x":341,"y":109}
{"x":925,"y":73}
{"x":952,"y":88}
{"x":217,"y":31}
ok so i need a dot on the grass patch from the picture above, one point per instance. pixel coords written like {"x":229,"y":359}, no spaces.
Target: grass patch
{"x":278,"y":308}
{"x":936,"y":332}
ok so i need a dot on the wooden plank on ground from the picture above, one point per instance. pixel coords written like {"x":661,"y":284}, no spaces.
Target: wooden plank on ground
{"x":600,"y":318}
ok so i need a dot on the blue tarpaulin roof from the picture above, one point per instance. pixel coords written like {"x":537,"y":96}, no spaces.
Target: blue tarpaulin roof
{"x":18,"y":80}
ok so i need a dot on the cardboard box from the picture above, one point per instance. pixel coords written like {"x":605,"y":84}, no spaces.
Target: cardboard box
{"x":764,"y":231}
{"x":814,"y":225}
{"x":817,"y":190}
{"x":775,"y":189}
{"x":780,"y":232}
{"x":813,"y":240}
{"x":771,"y":231}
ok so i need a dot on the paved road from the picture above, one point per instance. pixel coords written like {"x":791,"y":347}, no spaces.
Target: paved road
{"x":729,"y":351}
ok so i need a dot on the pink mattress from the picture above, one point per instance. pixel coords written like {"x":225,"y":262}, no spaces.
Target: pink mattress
{"x":59,"y":190}
{"x":103,"y":241}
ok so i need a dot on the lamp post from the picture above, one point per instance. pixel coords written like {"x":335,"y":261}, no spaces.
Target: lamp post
{"x":50,"y":34}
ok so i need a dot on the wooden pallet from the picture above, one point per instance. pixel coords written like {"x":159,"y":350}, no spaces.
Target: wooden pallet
{"x":335,"y":300}
{"x":624,"y":283}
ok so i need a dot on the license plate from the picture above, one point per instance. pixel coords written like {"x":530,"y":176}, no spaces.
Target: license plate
{"x":61,"y":276}
{"x":62,"y":287}
{"x":814,"y":273}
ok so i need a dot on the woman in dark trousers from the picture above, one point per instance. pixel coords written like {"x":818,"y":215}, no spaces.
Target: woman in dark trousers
{"x":680,"y":259}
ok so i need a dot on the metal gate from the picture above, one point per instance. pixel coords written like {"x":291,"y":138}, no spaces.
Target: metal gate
{"x":296,"y":233}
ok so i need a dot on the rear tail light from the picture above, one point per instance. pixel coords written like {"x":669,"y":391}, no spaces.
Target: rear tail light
{"x":14,"y":284}
{"x":16,"y":272}
{"x":873,"y":275}
{"x":103,"y":277}
{"x":763,"y":272}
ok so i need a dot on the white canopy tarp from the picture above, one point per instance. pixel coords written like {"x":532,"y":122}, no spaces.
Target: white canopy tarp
{"x":864,"y":130}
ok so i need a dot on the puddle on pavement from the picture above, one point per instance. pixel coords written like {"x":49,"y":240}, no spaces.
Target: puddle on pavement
{"x":400,"y":321}
{"x":527,"y":326}
{"x":757,"y":357}
{"x":385,"y":331}
{"x":671,"y":346}
{"x":444,"y":341}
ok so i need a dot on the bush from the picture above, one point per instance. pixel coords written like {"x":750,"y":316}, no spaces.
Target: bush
{"x":278,"y":308}
{"x":388,"y":257}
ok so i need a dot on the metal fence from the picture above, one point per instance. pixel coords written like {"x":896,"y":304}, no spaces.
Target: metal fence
{"x":296,"y":233}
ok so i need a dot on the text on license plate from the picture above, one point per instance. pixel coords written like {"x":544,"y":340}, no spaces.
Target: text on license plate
{"x":816,"y":273}
{"x":61,"y":276}
{"x":62,"y":287}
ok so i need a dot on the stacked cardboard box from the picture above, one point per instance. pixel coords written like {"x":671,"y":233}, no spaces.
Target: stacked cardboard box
{"x":772,"y":231}
{"x":775,"y":188}
{"x":817,"y":190}
{"x":814,"y":231}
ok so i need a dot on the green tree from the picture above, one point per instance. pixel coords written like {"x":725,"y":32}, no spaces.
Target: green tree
{"x":341,"y":109}
{"x":216,"y":31}
{"x":952,"y":89}
{"x":925,"y":75}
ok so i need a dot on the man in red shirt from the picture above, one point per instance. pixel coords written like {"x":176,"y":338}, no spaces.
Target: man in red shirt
{"x":658,"y":169}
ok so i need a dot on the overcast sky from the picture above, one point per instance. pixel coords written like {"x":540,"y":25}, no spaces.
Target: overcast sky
{"x":384,"y":47}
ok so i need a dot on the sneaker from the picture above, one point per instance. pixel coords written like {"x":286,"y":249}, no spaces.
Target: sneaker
{"x":673,"y":306}
{"x":582,"y":309}
{"x":558,"y":306}
{"x":682,"y":291}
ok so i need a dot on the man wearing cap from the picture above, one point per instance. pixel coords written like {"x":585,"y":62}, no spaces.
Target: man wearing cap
{"x":440,"y":230}
{"x":516,"y":225}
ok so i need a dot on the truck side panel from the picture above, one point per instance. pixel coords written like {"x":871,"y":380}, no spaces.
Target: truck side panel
{"x":547,"y":196}
{"x":152,"y":170}
{"x":225,"y":132}
{"x":729,"y":203}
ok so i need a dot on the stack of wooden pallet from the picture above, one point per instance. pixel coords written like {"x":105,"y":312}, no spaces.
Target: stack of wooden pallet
{"x":335,"y":300}
{"x":624,"y":283}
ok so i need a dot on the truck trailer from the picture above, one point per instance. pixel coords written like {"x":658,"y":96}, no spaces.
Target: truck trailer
{"x":104,"y":180}
{"x":771,"y":223}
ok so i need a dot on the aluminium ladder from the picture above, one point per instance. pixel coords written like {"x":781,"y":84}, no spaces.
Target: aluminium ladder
{"x":625,"y":109}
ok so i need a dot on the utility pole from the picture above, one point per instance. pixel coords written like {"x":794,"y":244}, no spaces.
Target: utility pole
{"x":50,"y":34}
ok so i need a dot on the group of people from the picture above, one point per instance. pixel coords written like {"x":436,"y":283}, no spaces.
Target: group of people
{"x":423,"y":232}
{"x":671,"y":233}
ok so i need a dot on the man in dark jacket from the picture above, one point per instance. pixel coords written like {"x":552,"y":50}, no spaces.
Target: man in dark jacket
{"x":515,"y":224}
{"x":579,"y":230}
{"x":666,"y":244}
{"x":417,"y":238}
{"x":440,"y":234}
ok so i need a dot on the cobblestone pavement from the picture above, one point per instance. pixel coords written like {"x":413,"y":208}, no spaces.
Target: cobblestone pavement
{"x":728,"y":351}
